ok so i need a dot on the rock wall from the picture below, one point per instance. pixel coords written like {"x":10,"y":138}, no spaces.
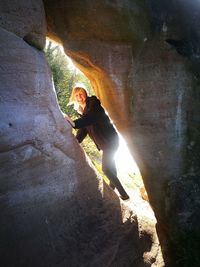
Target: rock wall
{"x":52,"y":206}
{"x":142,"y":58}
{"x":26,"y":19}
{"x":55,"y":210}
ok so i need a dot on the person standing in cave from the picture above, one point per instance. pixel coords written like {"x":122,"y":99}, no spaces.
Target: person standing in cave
{"x":94,"y":122}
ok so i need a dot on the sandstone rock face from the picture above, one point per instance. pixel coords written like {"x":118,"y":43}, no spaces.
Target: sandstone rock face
{"x":52,"y":207}
{"x":149,"y":87}
{"x":40,"y":159}
{"x":55,"y":210}
{"x":26,"y":19}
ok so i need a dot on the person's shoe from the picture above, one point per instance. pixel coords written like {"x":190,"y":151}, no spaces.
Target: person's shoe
{"x":125,"y":197}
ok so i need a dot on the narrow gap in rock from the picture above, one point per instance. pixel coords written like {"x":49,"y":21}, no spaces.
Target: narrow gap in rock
{"x":65,"y":76}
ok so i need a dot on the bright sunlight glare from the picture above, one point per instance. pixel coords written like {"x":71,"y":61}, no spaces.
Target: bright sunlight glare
{"x":129,"y":173}
{"x":127,"y":169}
{"x":124,"y":159}
{"x":70,"y":62}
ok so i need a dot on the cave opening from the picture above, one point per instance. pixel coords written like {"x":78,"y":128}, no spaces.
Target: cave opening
{"x":66,"y":75}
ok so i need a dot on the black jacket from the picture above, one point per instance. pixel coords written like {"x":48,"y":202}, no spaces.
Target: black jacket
{"x":97,"y":125}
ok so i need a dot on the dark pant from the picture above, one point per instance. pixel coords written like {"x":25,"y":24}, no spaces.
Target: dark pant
{"x":109,"y":168}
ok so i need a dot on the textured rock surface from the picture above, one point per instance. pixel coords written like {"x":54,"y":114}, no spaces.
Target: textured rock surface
{"x":26,"y":19}
{"x":150,"y":88}
{"x":54,"y":209}
{"x":51,"y":207}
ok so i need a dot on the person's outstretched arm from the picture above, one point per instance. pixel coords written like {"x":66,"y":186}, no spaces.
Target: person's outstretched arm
{"x":68,"y":119}
{"x":81,"y":134}
{"x":91,"y":115}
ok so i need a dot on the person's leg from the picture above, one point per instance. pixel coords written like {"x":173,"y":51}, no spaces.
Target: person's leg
{"x":109,"y":168}
{"x":111,"y":185}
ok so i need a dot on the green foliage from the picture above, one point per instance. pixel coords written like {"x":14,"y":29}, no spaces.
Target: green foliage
{"x":65,"y":76}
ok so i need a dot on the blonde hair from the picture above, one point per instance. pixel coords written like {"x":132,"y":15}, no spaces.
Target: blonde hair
{"x":72,"y":99}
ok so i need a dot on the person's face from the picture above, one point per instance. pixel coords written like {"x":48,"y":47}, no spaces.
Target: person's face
{"x":80,"y":97}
